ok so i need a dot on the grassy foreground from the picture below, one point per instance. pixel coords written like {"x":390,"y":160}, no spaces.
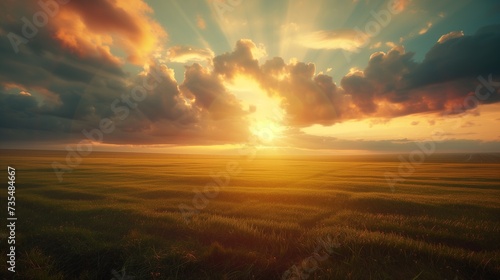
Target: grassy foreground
{"x":331,"y":218}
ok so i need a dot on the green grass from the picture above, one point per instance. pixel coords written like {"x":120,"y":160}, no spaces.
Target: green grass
{"x":118,"y":211}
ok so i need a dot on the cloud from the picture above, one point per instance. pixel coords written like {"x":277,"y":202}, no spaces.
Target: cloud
{"x":361,"y":91}
{"x":56,"y":86}
{"x":392,"y":84}
{"x":391,"y":44}
{"x":70,"y":92}
{"x":382,"y":76}
{"x":344,"y":39}
{"x":376,"y":45}
{"x":208,"y":91}
{"x":425,"y":29}
{"x":461,"y":57}
{"x":198,"y":112}
{"x":451,"y":35}
{"x":55,"y":76}
{"x":93,"y":29}
{"x":312,"y":142}
{"x":295,"y":84}
{"x":306,"y":98}
{"x":243,"y":60}
{"x":401,"y":5}
{"x":185,"y":54}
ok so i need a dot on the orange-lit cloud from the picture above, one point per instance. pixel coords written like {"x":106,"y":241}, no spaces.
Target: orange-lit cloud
{"x":392,"y":84}
{"x":401,"y":5}
{"x":241,"y":61}
{"x":210,"y":94}
{"x":346,"y":39}
{"x":451,"y":35}
{"x":94,"y":28}
{"x":184,"y":54}
{"x":425,"y":29}
{"x":74,"y":65}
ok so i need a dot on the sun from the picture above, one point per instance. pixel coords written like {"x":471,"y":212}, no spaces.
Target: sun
{"x":267,"y":131}
{"x":266,"y":117}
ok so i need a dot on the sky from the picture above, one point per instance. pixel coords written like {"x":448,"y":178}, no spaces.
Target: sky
{"x":213,"y":76}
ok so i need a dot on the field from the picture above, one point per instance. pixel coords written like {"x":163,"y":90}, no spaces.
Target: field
{"x":118,"y":216}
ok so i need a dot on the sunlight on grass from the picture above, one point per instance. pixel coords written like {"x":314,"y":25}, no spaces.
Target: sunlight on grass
{"x":120,"y":211}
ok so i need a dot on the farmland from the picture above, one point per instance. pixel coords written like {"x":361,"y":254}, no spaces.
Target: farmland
{"x":157,"y":216}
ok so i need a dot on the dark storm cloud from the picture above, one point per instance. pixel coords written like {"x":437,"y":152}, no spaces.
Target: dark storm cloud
{"x":461,"y":57}
{"x":165,"y":101}
{"x":47,"y":61}
{"x":17,"y":108}
{"x":52,"y":73}
{"x":55,"y":77}
{"x":443,"y":81}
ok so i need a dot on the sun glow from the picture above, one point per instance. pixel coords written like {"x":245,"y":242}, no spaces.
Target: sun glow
{"x":265,"y":113}
{"x":267,"y":131}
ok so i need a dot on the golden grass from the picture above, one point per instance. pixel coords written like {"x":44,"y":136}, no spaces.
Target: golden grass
{"x":121,"y":210}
